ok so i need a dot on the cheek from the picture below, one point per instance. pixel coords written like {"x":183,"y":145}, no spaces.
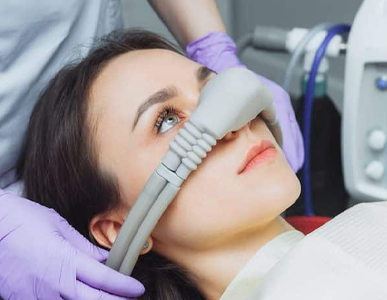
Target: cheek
{"x":196,"y":215}
{"x":135,"y":169}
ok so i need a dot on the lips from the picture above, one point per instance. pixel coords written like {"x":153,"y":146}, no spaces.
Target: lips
{"x":257,"y":154}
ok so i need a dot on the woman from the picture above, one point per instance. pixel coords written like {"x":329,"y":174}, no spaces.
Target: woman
{"x":101,"y":128}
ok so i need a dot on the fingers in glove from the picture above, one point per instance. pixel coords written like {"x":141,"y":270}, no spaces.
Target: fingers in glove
{"x":99,"y":276}
{"x":71,"y":235}
{"x":85,"y":292}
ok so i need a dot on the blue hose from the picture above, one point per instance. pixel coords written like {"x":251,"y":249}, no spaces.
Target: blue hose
{"x":308,"y":108}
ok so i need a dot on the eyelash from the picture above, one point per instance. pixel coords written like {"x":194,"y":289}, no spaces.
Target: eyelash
{"x":163,"y":113}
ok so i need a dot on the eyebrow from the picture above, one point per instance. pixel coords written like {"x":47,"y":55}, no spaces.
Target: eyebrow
{"x":169,"y":93}
{"x":202,"y":74}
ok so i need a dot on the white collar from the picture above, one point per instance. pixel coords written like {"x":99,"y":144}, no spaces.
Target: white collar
{"x":260,"y":264}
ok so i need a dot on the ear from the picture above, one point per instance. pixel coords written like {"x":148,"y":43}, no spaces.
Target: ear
{"x":104,"y":227}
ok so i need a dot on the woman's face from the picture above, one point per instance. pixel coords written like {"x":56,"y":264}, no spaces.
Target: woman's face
{"x":138,"y":103}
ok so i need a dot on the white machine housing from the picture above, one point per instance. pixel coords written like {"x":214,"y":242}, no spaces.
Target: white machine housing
{"x":364,"y":122}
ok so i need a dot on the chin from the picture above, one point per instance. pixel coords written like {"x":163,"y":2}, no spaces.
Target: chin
{"x":283,"y":188}
{"x":294,"y":191}
{"x":291,"y":184}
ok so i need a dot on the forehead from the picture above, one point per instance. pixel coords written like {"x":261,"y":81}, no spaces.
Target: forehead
{"x":138,"y":74}
{"x":155,"y":67}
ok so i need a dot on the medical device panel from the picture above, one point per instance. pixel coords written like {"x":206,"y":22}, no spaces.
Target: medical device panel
{"x":364,"y":126}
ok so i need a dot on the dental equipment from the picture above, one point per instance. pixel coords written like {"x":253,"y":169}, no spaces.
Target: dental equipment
{"x":283,"y":40}
{"x":227,"y":103}
{"x":364,"y":130}
{"x":307,"y":120}
{"x":299,"y":50}
{"x":265,"y":38}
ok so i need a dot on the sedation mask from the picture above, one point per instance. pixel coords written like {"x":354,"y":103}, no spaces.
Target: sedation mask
{"x":227,"y":102}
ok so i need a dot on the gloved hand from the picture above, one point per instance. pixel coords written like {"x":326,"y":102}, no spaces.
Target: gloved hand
{"x":43,"y":257}
{"x":217,"y":51}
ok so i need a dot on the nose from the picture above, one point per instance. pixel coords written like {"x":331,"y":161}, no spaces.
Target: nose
{"x":234,"y":134}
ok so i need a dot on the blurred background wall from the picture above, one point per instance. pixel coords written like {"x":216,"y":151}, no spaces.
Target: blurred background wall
{"x":138,"y":13}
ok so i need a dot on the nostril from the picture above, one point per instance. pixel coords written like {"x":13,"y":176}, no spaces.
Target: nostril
{"x":231,"y":135}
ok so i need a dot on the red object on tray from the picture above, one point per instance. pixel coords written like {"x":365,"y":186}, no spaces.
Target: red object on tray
{"x":307,"y":224}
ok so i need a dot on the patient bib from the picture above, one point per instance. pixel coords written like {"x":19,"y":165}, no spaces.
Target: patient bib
{"x":262,"y":262}
{"x":344,"y":259}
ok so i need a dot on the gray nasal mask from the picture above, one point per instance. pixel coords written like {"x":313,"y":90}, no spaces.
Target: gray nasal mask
{"x":227,"y":103}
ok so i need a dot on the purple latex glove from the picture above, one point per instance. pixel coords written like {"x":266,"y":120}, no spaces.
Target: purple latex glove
{"x":217,"y":51}
{"x":43,"y":257}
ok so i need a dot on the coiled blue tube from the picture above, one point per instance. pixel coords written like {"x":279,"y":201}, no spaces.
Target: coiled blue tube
{"x":308,"y":108}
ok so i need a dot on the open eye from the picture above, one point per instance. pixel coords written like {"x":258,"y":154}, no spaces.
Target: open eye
{"x":168,"y":122}
{"x":167,"y":118}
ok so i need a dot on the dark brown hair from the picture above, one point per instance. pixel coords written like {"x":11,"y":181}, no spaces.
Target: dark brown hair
{"x":59,"y":164}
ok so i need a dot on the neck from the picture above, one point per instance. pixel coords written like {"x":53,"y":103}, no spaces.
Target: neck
{"x":214,"y":270}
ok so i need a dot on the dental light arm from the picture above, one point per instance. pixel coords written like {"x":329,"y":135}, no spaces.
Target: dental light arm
{"x":227,"y":102}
